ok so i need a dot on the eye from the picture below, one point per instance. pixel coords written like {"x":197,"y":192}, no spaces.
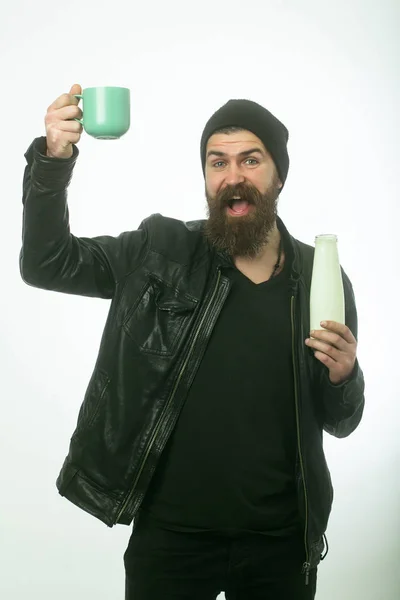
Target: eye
{"x":221,"y":162}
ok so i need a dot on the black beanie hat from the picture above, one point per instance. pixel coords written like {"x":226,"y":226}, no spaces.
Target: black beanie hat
{"x":257,"y":119}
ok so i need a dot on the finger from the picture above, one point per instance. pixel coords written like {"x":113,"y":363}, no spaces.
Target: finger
{"x":71,"y":126}
{"x":63,"y":100}
{"x":326,"y":359}
{"x":333,"y":339}
{"x":76,"y":89}
{"x":338,"y":372}
{"x":64,"y":113}
{"x":70,"y":138}
{"x":328,"y":349}
{"x":69,"y":112}
{"x":341,"y":329}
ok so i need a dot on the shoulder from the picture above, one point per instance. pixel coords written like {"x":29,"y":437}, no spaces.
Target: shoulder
{"x":303,"y":257}
{"x":175,"y":239}
{"x":306,"y":250}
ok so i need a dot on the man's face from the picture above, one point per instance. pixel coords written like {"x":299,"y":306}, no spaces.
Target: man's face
{"x":238,"y":166}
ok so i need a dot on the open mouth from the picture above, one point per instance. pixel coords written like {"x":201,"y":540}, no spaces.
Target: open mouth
{"x":238,"y":207}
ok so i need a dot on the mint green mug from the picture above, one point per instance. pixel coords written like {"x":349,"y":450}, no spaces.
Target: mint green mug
{"x":106,"y":112}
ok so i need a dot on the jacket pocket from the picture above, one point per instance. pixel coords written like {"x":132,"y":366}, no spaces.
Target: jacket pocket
{"x":160,"y":317}
{"x":94,"y":397}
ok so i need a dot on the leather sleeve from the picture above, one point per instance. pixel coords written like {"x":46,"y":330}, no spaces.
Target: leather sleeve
{"x":344,"y":403}
{"x":53,"y":258}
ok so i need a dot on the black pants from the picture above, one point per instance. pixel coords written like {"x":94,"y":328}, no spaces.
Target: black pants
{"x":167,"y":565}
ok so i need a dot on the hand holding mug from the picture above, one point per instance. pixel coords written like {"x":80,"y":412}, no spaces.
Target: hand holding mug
{"x":105,"y":116}
{"x":62,"y":130}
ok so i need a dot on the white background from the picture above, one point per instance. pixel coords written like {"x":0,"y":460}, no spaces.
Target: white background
{"x":330,"y":72}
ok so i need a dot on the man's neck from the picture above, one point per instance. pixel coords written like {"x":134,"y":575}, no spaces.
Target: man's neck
{"x":269,"y":253}
{"x":261,"y":267}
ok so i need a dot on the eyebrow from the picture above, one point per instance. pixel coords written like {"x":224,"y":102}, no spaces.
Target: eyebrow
{"x":245,"y":153}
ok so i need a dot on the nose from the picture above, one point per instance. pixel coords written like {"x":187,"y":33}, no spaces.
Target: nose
{"x":234,"y":175}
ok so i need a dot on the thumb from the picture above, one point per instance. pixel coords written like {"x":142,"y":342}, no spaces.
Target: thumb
{"x":76,"y":89}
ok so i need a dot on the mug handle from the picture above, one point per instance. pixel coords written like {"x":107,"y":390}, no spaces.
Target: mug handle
{"x":79,"y":96}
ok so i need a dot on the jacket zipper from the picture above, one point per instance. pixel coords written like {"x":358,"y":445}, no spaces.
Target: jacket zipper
{"x":306,"y":565}
{"x":157,"y":427}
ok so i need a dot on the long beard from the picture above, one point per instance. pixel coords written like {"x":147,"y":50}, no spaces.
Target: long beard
{"x":242,"y":236}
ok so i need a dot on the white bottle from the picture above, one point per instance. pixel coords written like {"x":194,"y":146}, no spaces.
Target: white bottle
{"x":326,"y":294}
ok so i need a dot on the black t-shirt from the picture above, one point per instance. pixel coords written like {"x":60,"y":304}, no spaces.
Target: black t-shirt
{"x":229,"y":465}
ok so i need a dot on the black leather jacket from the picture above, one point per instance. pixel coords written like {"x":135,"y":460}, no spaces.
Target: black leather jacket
{"x":167,"y":289}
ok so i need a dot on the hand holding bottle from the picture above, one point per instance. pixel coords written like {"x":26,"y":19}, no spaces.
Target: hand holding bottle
{"x":336,"y":347}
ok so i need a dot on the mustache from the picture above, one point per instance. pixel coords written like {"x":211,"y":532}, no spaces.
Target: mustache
{"x":246,"y":192}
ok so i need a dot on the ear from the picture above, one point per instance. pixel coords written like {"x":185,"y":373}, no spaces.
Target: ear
{"x":280,"y":184}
